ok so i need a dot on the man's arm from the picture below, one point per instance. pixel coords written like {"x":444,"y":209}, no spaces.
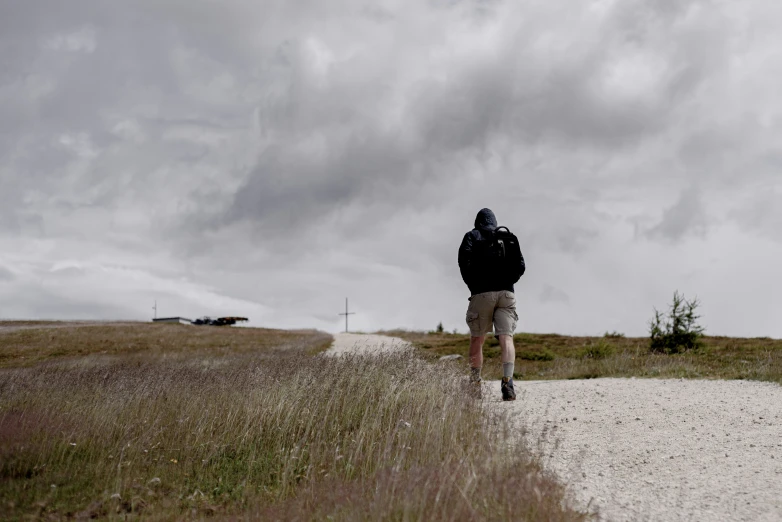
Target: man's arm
{"x":522,"y":265}
{"x":515,"y":272}
{"x":465,"y":259}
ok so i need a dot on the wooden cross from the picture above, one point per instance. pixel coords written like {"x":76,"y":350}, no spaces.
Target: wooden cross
{"x":346,"y":314}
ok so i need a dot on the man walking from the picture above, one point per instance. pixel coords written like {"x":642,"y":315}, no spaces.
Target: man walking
{"x":491,"y":263}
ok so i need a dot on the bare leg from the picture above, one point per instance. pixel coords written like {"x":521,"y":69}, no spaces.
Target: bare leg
{"x":476,"y":351}
{"x":508,"y":351}
{"x":508,"y":362}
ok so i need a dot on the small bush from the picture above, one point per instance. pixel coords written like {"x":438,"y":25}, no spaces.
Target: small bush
{"x":677,"y":331}
{"x":491,"y":352}
{"x":542,"y":355}
{"x":439,"y":327}
{"x":600,"y":350}
{"x":614,"y":335}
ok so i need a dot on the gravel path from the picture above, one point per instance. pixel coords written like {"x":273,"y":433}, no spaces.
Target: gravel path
{"x":654,"y":449}
{"x":366,"y":344}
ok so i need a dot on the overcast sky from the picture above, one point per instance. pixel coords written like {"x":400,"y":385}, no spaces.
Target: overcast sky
{"x":270,"y":158}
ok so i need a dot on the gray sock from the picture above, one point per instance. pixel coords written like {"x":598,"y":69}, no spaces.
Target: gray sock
{"x":507,"y":370}
{"x":475,"y":374}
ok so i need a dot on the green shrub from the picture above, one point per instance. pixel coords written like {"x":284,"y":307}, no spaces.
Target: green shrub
{"x":491,"y":352}
{"x":614,"y":335}
{"x":677,"y":331}
{"x":542,"y":355}
{"x":601,"y":350}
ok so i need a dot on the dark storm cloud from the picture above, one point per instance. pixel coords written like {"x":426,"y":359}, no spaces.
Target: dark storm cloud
{"x":327,"y":134}
{"x":339,"y":123}
{"x":72,"y":74}
{"x":275,"y":155}
{"x":285,"y":188}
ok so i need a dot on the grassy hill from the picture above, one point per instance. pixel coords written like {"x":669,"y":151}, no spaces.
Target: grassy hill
{"x":552,"y":356}
{"x":54,"y":341}
{"x":170,"y":422}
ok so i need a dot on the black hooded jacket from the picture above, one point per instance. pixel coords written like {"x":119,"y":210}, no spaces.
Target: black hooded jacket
{"x":479,"y":278}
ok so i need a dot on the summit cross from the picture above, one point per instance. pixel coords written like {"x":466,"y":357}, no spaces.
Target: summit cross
{"x":346,"y":314}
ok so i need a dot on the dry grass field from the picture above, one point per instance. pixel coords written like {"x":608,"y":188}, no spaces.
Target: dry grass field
{"x":164,"y":422}
{"x":551,"y":356}
{"x":56,"y":341}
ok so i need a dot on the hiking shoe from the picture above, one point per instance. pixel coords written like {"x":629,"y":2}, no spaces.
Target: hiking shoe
{"x":506,"y":387}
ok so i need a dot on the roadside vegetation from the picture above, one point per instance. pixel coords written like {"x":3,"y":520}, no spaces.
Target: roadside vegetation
{"x":677,"y":330}
{"x":57,"y":341}
{"x":552,"y":356}
{"x":676,"y":347}
{"x":165,"y":422}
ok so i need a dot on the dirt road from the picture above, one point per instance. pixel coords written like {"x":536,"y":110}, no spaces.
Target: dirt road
{"x":366,"y":344}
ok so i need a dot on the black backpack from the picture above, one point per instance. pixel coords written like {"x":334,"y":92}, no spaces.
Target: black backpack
{"x":501,"y":254}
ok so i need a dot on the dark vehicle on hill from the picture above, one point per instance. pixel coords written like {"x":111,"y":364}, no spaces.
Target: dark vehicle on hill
{"x":219,"y":321}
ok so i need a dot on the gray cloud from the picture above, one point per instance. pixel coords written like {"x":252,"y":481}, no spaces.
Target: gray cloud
{"x":277,"y":156}
{"x":683,"y":217}
{"x":70,"y":308}
{"x":328,"y":139}
{"x":551,"y":294}
{"x":761,"y":214}
{"x":6,"y":275}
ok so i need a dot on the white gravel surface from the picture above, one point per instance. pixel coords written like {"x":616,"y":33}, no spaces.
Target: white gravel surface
{"x":658,"y":449}
{"x":366,"y":344}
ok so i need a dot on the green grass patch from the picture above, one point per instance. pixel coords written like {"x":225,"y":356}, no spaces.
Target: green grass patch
{"x":536,"y":355}
{"x":56,"y":341}
{"x":553,"y":356}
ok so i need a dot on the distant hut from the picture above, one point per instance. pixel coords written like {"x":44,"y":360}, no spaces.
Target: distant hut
{"x":178,"y":320}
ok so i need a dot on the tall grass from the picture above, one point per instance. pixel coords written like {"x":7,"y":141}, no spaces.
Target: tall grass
{"x":275,"y":435}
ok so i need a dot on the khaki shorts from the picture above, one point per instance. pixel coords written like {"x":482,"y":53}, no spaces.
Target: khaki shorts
{"x":498,"y":308}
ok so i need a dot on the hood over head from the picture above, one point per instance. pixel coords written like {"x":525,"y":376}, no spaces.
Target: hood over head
{"x":485,"y":220}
